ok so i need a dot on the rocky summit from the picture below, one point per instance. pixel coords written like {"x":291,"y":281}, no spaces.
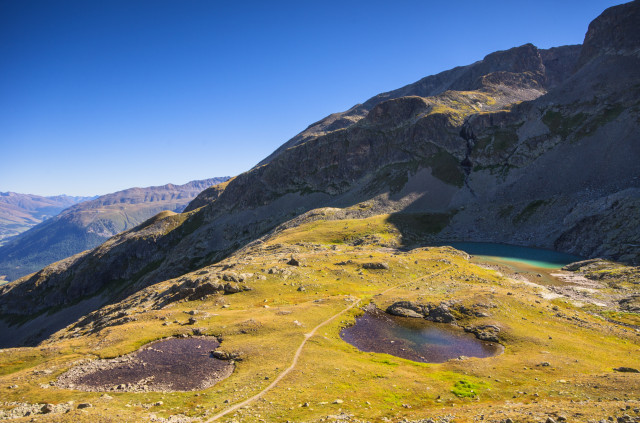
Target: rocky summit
{"x":530,"y":147}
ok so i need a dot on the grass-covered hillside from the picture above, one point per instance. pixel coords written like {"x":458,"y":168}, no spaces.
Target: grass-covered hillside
{"x":558,"y":359}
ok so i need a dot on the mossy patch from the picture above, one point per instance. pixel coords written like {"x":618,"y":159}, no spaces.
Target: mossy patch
{"x":605,"y":116}
{"x":505,"y":211}
{"x":418,"y":226}
{"x":562,"y":125}
{"x":529,"y":210}
{"x":465,"y":389}
{"x":446,"y":167}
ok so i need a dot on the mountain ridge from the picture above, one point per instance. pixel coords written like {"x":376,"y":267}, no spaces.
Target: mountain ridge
{"x":476,"y":160}
{"x":431,"y":85}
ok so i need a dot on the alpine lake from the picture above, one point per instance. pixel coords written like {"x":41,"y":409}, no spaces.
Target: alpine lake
{"x":428,"y":342}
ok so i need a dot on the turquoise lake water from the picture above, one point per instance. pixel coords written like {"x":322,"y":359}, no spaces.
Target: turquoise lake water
{"x":534,"y":257}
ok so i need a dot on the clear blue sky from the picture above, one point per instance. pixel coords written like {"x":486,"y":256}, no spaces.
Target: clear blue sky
{"x":98,"y":96}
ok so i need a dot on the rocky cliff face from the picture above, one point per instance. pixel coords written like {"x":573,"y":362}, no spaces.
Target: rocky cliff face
{"x":528,"y":146}
{"x":615,"y":32}
{"x":549,"y":67}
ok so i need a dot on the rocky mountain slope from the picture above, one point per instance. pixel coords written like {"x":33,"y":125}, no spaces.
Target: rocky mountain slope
{"x":86,"y":225}
{"x":528,"y":146}
{"x":19,"y":212}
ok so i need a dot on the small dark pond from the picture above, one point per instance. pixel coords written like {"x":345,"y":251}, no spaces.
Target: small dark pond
{"x":415,"y":339}
{"x":173,"y":364}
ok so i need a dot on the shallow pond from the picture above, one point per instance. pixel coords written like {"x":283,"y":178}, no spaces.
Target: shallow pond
{"x":415,"y":339}
{"x":173,"y":364}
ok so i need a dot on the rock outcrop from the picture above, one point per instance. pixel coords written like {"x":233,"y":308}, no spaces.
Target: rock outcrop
{"x":444,"y":312}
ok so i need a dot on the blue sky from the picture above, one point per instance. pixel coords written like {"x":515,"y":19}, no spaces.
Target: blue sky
{"x":98,"y":96}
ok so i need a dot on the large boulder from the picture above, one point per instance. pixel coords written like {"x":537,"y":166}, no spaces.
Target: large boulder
{"x":406,"y":309}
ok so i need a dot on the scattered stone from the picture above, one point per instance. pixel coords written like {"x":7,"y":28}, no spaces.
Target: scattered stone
{"x":230,"y":277}
{"x":293,"y":262}
{"x":626,"y":370}
{"x":376,"y":266}
{"x":485,"y":332}
{"x":440,"y":314}
{"x":338,"y":401}
{"x":544,"y":364}
{"x":47,"y":408}
{"x":158,"y":403}
{"x":406,"y":309}
{"x":230,"y":288}
{"x":225,"y":355}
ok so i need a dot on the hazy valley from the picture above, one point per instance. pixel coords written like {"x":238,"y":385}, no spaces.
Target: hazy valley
{"x":19,"y":212}
{"x":88,"y":224}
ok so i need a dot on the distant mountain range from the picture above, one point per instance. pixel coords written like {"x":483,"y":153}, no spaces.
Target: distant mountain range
{"x":19,"y":212}
{"x":82,"y":226}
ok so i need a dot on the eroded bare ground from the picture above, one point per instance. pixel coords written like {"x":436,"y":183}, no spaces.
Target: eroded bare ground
{"x":606,"y":288}
{"x":174,"y":364}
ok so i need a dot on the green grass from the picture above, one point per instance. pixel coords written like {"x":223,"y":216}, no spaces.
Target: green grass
{"x":415,"y":227}
{"x":562,"y":125}
{"x":465,"y":389}
{"x":529,"y":210}
{"x":504,"y":139}
{"x":607,"y":115}
{"x":446,"y":167}
{"x":505,"y":211}
{"x":371,"y":386}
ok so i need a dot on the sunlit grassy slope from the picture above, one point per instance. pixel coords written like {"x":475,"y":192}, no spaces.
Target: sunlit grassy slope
{"x":266,"y":325}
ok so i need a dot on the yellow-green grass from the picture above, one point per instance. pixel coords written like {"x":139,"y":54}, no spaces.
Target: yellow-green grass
{"x":581,"y":353}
